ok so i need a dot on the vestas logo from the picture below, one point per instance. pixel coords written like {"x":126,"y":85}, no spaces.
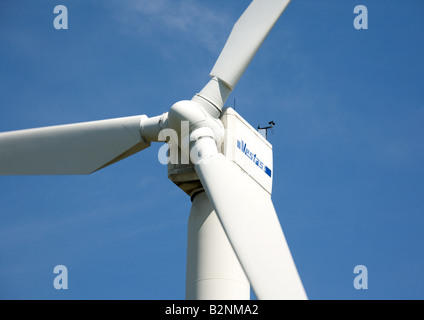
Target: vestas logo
{"x":252,"y":156}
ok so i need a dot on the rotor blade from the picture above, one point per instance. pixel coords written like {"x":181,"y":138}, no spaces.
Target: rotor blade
{"x":245,"y":39}
{"x":249,"y":219}
{"x":79,"y":148}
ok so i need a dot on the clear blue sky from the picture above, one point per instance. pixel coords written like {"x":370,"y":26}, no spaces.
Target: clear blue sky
{"x":348,"y":142}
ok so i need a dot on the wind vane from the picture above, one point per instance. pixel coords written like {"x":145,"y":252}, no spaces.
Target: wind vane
{"x":264,"y":130}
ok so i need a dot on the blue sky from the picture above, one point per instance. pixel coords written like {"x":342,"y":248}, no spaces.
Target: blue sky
{"x":348,"y":154}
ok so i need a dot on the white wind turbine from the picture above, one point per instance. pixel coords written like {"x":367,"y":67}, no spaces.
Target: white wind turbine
{"x":234,"y":237}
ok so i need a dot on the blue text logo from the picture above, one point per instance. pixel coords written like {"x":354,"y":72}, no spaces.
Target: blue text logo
{"x":252,"y":156}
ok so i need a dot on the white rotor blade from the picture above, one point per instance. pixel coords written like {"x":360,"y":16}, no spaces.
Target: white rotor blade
{"x":79,"y":148}
{"x":245,"y":39}
{"x":249,"y":219}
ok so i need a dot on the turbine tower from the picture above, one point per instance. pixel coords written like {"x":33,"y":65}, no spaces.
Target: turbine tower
{"x":234,"y":237}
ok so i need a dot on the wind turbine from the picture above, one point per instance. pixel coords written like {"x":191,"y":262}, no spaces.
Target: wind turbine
{"x":234,"y":237}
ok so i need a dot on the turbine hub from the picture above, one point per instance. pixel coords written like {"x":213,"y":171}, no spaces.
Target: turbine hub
{"x":184,"y":118}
